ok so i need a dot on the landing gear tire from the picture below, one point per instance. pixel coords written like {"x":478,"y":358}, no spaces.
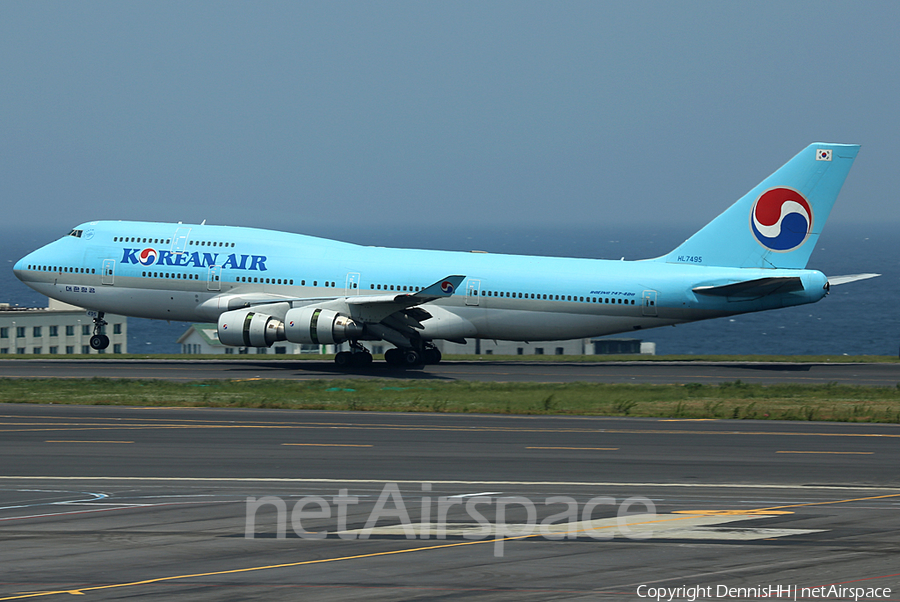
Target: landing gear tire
{"x":431,"y":355}
{"x":359,"y":359}
{"x":343,"y":359}
{"x":393,"y":357}
{"x":99,"y":341}
{"x":403,"y":357}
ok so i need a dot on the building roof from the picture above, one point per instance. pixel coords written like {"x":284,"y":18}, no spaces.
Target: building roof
{"x":208,"y":332}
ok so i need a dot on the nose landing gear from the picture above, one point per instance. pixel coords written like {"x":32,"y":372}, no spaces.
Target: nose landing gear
{"x":99,"y":340}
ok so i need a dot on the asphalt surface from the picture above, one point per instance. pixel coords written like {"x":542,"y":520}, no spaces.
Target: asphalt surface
{"x":117,"y":503}
{"x":608,"y":372}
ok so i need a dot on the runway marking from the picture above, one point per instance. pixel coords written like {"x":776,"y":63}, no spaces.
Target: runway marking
{"x":418,"y":482}
{"x":328,"y":444}
{"x":779,"y":509}
{"x":63,"y":441}
{"x":603,"y":524}
{"x":708,"y":527}
{"x":464,"y":495}
{"x":824,"y":452}
{"x":9,"y":518}
{"x":591,"y":448}
{"x":81,"y":591}
{"x":185,"y":424}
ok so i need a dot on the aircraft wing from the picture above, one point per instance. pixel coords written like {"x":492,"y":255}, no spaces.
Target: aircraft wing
{"x":368,"y":308}
{"x":445,"y":287}
{"x":760,"y":287}
{"x":401,"y":308}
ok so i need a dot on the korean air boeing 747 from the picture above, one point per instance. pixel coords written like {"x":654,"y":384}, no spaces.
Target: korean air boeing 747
{"x":263,"y":286}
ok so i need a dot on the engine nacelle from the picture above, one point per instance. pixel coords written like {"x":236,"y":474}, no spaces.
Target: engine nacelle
{"x":315,"y":326}
{"x":248,"y":328}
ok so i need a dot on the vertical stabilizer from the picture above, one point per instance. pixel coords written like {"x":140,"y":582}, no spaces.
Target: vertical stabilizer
{"x":777,"y":224}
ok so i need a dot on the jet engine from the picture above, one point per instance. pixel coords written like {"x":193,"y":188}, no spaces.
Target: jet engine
{"x":248,"y":328}
{"x":315,"y":326}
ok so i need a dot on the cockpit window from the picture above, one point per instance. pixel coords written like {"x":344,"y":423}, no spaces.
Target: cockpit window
{"x":76,"y":233}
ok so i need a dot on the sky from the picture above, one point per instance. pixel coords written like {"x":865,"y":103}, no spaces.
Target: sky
{"x":361,"y":119}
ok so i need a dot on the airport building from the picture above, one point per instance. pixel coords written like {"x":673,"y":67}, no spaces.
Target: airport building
{"x":59,"y":328}
{"x":203,"y":339}
{"x":595,"y":346}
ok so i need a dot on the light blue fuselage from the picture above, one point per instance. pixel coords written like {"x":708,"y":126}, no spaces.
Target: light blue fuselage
{"x":189,"y":267}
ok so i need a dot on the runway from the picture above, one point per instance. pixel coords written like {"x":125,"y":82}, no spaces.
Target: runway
{"x":115,"y":502}
{"x":657,"y":372}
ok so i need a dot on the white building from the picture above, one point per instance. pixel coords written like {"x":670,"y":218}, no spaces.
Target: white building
{"x":59,"y":328}
{"x":597,"y":346}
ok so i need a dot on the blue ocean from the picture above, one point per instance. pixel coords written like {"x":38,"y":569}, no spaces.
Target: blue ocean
{"x":854,"y":319}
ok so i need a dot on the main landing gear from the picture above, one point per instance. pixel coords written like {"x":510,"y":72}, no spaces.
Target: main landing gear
{"x":99,"y":340}
{"x":412,"y":357}
{"x":360,"y":357}
{"x":357,"y":357}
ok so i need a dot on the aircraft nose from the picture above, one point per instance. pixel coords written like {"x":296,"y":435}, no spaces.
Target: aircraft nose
{"x":21,"y":266}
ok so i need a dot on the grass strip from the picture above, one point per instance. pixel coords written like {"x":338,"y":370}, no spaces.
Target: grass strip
{"x":549,"y":359}
{"x":315,"y":357}
{"x":731,"y":400}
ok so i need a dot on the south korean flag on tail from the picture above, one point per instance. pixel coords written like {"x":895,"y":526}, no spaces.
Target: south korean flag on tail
{"x":823,"y":154}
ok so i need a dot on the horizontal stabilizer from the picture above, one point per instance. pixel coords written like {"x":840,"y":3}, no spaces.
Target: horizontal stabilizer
{"x":835,"y":280}
{"x":753,"y":288}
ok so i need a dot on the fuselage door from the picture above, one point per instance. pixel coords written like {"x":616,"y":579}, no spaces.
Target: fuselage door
{"x":179,"y":242}
{"x":213,"y":282}
{"x":353,"y":283}
{"x":649,"y":303}
{"x":473,"y":291}
{"x":108,"y":272}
